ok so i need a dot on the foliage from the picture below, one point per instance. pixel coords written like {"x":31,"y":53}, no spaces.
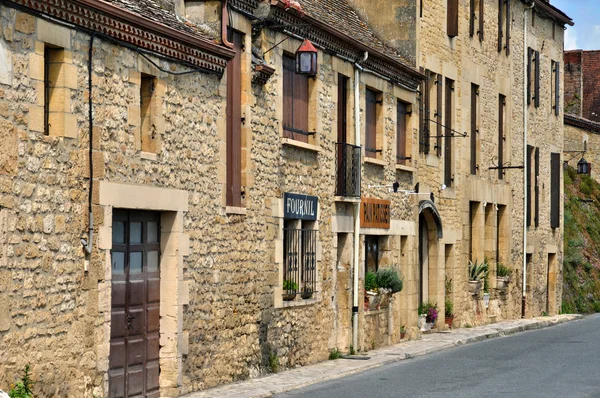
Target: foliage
{"x":388,"y":278}
{"x":478,"y":271}
{"x":351,"y":350}
{"x":273,"y":361}
{"x":449,"y":309}
{"x":370,"y":281}
{"x":334,"y":353}
{"x":430,"y":310}
{"x":503,"y":271}
{"x":23,"y":387}
{"x":448,"y":285}
{"x":402,"y":329}
{"x":290,"y":285}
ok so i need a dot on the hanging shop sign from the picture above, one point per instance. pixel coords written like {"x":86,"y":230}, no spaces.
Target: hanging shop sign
{"x":300,"y":207}
{"x":374,"y":213}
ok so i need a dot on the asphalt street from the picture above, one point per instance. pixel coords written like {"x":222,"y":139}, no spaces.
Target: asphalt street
{"x":562,"y":361}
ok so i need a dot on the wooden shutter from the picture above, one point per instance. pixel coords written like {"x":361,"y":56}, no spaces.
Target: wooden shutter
{"x":481,"y":20}
{"x":448,"y":135}
{"x":507,"y":4}
{"x":452,"y":18}
{"x":422,"y":102}
{"x":427,"y":121}
{"x":401,"y":133}
{"x":555,"y":190}
{"x":300,"y":106}
{"x":474,"y":129}
{"x":557,"y":88}
{"x":438,"y":119}
{"x":234,"y":125}
{"x":528,"y":207}
{"x":537,"y":79}
{"x":289,"y":66}
{"x":342,"y":108}
{"x":370,"y":124}
{"x":500,"y":24}
{"x":529,"y":60}
{"x":500,"y":136}
{"x":472,"y":17}
{"x":537,"y":188}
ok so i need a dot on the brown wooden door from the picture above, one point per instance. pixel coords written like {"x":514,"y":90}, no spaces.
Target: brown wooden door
{"x":134,"y":341}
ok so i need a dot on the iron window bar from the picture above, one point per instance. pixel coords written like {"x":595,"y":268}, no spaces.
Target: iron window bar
{"x":299,"y":273}
{"x":373,"y":150}
{"x":299,"y":131}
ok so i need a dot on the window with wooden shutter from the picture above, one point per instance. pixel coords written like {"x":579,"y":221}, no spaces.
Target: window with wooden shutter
{"x":537,"y":187}
{"x":448,"y":163}
{"x":501,"y":122}
{"x":528,"y":178}
{"x":500,"y":24}
{"x":555,"y":85}
{"x":555,"y":170}
{"x":472,"y":18}
{"x":234,"y":124}
{"x":507,"y":18}
{"x":422,"y":89}
{"x":529,"y":70}
{"x":295,"y":102}
{"x":401,"y":139}
{"x":537,"y":79}
{"x":452,"y":11}
{"x":424,"y":112}
{"x":438,"y":114}
{"x":371,"y":103}
{"x":474,"y":130}
{"x":481,"y":20}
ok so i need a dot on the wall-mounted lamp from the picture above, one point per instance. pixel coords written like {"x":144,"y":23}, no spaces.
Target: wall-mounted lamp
{"x":306,"y":59}
{"x":583,"y":167}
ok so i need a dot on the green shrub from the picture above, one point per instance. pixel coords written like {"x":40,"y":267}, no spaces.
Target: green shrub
{"x":370,"y":281}
{"x":23,"y":387}
{"x":334,"y":353}
{"x":388,"y":278}
{"x":290,"y":285}
{"x":478,"y":271}
{"x":503,"y":271}
{"x":449,"y":309}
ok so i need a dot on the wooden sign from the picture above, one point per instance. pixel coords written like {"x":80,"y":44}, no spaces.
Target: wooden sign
{"x":302,"y":207}
{"x":375,"y":213}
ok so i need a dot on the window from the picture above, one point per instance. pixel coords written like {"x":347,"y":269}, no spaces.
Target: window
{"x":372,"y":254}
{"x":555,"y":87}
{"x":501,"y":136}
{"x":295,"y":102}
{"x":403,"y":149}
{"x":504,"y":20}
{"x":555,"y":170}
{"x":234,"y":124}
{"x":476,"y":19}
{"x":300,"y":259}
{"x":530,"y":150}
{"x":54,"y":91}
{"x":452,"y":15}
{"x":373,"y":140}
{"x":474,"y":128}
{"x":148,"y":102}
{"x":536,"y":175}
{"x":533,"y":76}
{"x":438,"y":114}
{"x":448,"y":135}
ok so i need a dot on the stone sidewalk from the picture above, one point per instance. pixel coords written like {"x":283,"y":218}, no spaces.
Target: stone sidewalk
{"x":304,"y":376}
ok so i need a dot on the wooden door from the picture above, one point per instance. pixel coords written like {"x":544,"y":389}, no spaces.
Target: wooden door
{"x":134,"y":341}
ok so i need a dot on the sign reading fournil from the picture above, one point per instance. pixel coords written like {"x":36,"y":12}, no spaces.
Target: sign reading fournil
{"x":301,"y":207}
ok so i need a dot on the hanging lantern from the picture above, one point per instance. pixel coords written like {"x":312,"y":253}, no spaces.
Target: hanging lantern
{"x":583,"y":167}
{"x":306,"y":59}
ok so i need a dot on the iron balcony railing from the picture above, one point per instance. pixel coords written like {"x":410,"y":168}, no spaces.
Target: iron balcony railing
{"x":348,"y":170}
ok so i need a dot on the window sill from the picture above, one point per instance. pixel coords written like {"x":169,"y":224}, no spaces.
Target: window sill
{"x":235,"y":210}
{"x":299,"y":303}
{"x":300,"y":144}
{"x":348,"y":199}
{"x":148,"y":155}
{"x":376,"y":162}
{"x":403,"y":167}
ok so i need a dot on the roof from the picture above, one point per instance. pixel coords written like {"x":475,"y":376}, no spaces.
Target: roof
{"x":552,"y":12}
{"x":586,"y":124}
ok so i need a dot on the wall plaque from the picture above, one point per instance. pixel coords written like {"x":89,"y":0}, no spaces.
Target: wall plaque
{"x":302,"y":207}
{"x":375,"y":213}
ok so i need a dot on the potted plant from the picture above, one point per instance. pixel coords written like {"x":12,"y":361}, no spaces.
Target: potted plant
{"x":372,"y":297}
{"x":306,"y":292}
{"x":477,"y":272}
{"x":290,"y":288}
{"x":449,"y":307}
{"x":388,"y":282}
{"x":402,"y":332}
{"x":503,"y":274}
{"x":428,"y":314}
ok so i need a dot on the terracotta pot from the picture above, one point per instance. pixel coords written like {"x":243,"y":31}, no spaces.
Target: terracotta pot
{"x":449,"y":320}
{"x":402,"y":335}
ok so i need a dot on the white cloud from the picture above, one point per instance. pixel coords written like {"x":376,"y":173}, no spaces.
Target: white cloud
{"x":571,"y":37}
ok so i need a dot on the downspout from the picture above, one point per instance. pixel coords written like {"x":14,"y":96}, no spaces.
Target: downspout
{"x":224,"y":24}
{"x":355,"y":291}
{"x":525,"y":169}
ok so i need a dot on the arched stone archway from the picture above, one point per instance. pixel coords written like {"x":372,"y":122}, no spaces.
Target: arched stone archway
{"x":431,"y":264}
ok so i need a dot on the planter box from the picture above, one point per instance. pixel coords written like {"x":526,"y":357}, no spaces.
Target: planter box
{"x":475,"y":287}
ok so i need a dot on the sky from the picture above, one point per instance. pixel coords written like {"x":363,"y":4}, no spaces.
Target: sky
{"x":585,"y":34}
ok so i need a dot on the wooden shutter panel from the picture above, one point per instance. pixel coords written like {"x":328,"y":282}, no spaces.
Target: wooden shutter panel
{"x":500,"y":136}
{"x":422,"y":102}
{"x":537,"y":187}
{"x":234,"y":125}
{"x":481,"y":20}
{"x":438,"y":119}
{"x":557,"y":88}
{"x":500,"y":24}
{"x":300,"y":106}
{"x":288,"y":95}
{"x":448,"y":135}
{"x":472,"y":17}
{"x":342,"y":108}
{"x":507,"y":27}
{"x":401,"y":133}
{"x":370,"y":124}
{"x":452,"y":18}
{"x":529,"y":60}
{"x":528,"y":207}
{"x":427,"y":124}
{"x":473,"y":129}
{"x":537,"y":79}
{"x":555,"y":190}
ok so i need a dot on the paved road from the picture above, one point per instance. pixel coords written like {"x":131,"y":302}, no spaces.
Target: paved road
{"x":563,"y":361}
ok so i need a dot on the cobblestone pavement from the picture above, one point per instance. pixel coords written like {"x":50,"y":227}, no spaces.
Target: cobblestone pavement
{"x":304,"y":376}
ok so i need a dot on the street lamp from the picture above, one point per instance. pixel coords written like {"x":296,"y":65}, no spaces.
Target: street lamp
{"x":583,"y":167}
{"x":306,"y":59}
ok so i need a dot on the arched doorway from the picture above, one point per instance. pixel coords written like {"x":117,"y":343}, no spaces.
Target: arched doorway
{"x":431,"y":272}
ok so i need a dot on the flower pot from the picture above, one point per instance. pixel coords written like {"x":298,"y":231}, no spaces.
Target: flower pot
{"x":474,"y":287}
{"x":423,"y":323}
{"x":486,"y":299}
{"x":402,"y":335}
{"x":373,"y":299}
{"x":289,"y":296}
{"x":384,"y":301}
{"x":306,"y":293}
{"x":448,"y":321}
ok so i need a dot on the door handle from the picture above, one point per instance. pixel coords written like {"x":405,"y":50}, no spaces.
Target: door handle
{"x":130,"y":318}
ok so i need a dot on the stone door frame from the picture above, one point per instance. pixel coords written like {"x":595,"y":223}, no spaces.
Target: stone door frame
{"x":174,"y":292}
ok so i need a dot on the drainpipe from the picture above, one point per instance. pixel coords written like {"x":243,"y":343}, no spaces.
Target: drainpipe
{"x":355,"y":291}
{"x":224,"y":23}
{"x":525,"y":169}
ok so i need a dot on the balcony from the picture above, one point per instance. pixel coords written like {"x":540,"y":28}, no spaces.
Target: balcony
{"x":348,"y":170}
